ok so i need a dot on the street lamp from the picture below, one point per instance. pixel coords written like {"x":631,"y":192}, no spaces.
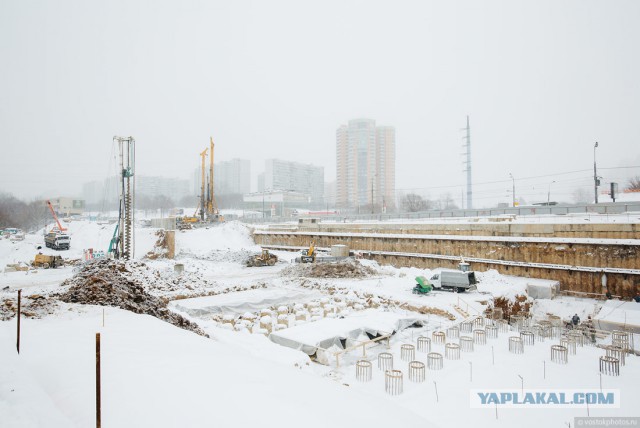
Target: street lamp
{"x":513,"y":190}
{"x":595,"y":172}
{"x":549,"y":192}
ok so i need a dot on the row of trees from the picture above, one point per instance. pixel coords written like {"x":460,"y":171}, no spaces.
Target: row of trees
{"x":413,"y":202}
{"x":23,"y":215}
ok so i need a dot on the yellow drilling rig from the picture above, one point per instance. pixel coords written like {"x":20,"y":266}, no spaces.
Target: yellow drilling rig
{"x":208,"y":208}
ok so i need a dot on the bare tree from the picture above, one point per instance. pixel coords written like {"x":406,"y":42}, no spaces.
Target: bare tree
{"x":16,"y":213}
{"x":446,"y":202}
{"x":582,"y":196}
{"x":412,"y":202}
{"x":163,"y":203}
{"x":634,"y":184}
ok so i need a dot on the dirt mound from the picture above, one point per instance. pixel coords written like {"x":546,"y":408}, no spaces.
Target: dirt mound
{"x":108,"y":283}
{"x":32,"y":306}
{"x":160,"y":248}
{"x":346,"y":269}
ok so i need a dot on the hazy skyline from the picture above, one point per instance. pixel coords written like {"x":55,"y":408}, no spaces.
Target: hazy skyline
{"x":541,"y":82}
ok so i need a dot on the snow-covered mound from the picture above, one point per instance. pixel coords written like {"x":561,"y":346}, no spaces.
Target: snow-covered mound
{"x":230,"y":241}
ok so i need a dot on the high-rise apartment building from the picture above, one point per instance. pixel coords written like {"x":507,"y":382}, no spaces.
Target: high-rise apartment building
{"x":232,"y":177}
{"x":365,"y":165}
{"x":174,"y":188}
{"x":294,"y":176}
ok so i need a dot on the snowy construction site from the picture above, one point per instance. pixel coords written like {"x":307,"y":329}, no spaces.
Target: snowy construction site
{"x":225,"y":324}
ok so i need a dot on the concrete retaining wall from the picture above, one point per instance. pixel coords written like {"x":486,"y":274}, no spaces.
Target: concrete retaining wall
{"x":498,"y":228}
{"x":566,"y":261}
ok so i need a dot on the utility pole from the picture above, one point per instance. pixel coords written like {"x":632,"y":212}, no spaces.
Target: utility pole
{"x":513,"y":190}
{"x":595,"y":173}
{"x":549,"y":192}
{"x":467,"y":164}
{"x":371,"y":195}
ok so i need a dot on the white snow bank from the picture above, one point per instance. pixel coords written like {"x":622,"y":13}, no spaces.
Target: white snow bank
{"x":154,"y":374}
{"x":200,"y":242}
{"x":616,"y":315}
{"x":246,"y":301}
{"x":23,"y":401}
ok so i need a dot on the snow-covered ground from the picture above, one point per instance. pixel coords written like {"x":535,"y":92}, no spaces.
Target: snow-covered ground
{"x":155,"y":374}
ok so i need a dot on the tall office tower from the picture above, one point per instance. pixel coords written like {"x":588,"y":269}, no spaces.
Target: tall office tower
{"x":365,"y":166}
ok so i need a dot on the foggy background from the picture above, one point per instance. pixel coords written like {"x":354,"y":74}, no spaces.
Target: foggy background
{"x":541,"y":82}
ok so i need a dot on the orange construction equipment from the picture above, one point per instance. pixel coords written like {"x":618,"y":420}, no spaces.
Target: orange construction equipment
{"x":62,"y":229}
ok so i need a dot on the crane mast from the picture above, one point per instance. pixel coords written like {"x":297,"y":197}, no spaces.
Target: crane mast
{"x":203,"y":203}
{"x":55,"y":217}
{"x":122,"y":244}
{"x":212,"y":208}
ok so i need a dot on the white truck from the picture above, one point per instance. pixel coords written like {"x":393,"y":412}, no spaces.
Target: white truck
{"x":57,"y":241}
{"x":454,"y":280}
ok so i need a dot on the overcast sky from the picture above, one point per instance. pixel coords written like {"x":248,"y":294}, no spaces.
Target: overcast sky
{"x":540,"y":80}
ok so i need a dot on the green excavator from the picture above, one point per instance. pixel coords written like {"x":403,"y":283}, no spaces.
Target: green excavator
{"x":423,"y":285}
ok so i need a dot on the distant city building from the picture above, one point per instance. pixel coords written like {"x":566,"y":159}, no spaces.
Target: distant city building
{"x":232,"y":177}
{"x":276,"y":203}
{"x":330,"y":195}
{"x":68,"y":206}
{"x":93,"y":191}
{"x":173,"y":188}
{"x":298,"y":177}
{"x":261,"y":182}
{"x":365,"y":165}
{"x":101,"y":192}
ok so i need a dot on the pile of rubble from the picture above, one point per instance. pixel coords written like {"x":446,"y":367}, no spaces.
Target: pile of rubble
{"x":346,"y":269}
{"x":31,"y":306}
{"x":160,"y":248}
{"x":109,"y":283}
{"x":163,"y":281}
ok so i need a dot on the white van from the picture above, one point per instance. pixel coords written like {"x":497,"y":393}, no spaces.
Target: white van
{"x":454,"y":280}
